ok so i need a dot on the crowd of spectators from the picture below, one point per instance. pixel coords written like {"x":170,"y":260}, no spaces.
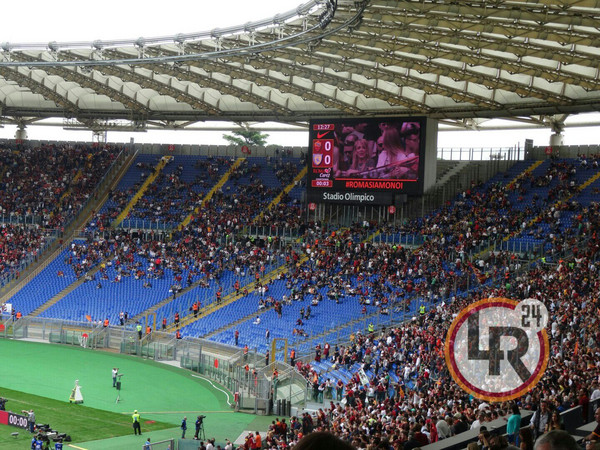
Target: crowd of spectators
{"x":194,"y":258}
{"x":424,"y":405}
{"x":204,"y":249}
{"x":52,"y":182}
{"x":170,"y":199}
{"x":410,"y":399}
{"x":43,"y":188}
{"x":380,"y":276}
{"x":18,"y":244}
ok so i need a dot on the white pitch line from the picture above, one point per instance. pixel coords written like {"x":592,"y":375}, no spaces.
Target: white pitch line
{"x":216,"y":387}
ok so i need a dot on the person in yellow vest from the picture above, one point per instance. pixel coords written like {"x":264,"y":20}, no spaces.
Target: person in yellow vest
{"x":371,"y":328}
{"x":422,"y":310}
{"x":137,"y":428}
{"x":138,"y":327}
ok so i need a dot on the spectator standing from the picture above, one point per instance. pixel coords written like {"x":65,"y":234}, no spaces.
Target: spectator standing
{"x":257,"y":441}
{"x":595,"y":435}
{"x":584,"y":402}
{"x":540,"y":418}
{"x":460,"y":425}
{"x":513,"y":425}
{"x":555,"y":422}
{"x":443,"y":428}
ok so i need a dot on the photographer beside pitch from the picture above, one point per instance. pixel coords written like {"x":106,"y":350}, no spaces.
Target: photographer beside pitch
{"x":198,"y":424}
{"x":30,"y":419}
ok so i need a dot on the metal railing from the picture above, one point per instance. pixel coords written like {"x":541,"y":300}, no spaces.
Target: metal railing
{"x":481,"y":154}
{"x":148,"y":224}
{"x":229,"y":366}
{"x":20,"y":219}
{"x":285,"y":233}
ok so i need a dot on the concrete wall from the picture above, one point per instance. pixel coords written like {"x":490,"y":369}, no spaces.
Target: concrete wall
{"x":431,"y":133}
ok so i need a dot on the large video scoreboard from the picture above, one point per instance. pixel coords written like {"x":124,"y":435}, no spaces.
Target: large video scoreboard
{"x":365,"y":161}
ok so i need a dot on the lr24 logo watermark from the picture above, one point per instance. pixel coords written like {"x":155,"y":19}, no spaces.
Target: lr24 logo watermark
{"x":497,"y":349}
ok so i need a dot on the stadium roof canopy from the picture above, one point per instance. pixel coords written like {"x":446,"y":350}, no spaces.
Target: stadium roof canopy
{"x":457,"y":61}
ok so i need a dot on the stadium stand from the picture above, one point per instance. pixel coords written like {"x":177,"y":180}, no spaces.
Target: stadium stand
{"x":50,"y":184}
{"x":19,"y":245}
{"x":526,"y":232}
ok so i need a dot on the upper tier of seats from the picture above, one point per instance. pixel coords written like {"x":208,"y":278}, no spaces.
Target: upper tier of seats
{"x":183,"y":183}
{"x":50,"y":183}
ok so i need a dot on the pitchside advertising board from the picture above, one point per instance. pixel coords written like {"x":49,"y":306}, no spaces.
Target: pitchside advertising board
{"x":9,"y":418}
{"x":365,"y":161}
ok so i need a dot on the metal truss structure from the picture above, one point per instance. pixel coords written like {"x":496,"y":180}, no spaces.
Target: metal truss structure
{"x":459,"y":61}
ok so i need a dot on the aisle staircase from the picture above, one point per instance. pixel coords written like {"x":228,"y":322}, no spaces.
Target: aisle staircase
{"x":283,"y":193}
{"x":62,"y":294}
{"x":527,"y":171}
{"x":231,"y":325}
{"x":509,"y":185}
{"x":140,"y":193}
{"x":233,"y":297}
{"x":70,"y":189}
{"x":165,"y":301}
{"x":211,"y":193}
{"x":537,"y":218}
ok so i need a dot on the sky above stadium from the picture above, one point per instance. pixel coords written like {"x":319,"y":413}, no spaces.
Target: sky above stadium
{"x":69,"y":20}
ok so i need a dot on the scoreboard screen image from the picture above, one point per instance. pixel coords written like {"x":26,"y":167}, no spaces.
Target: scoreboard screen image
{"x":365,"y":160}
